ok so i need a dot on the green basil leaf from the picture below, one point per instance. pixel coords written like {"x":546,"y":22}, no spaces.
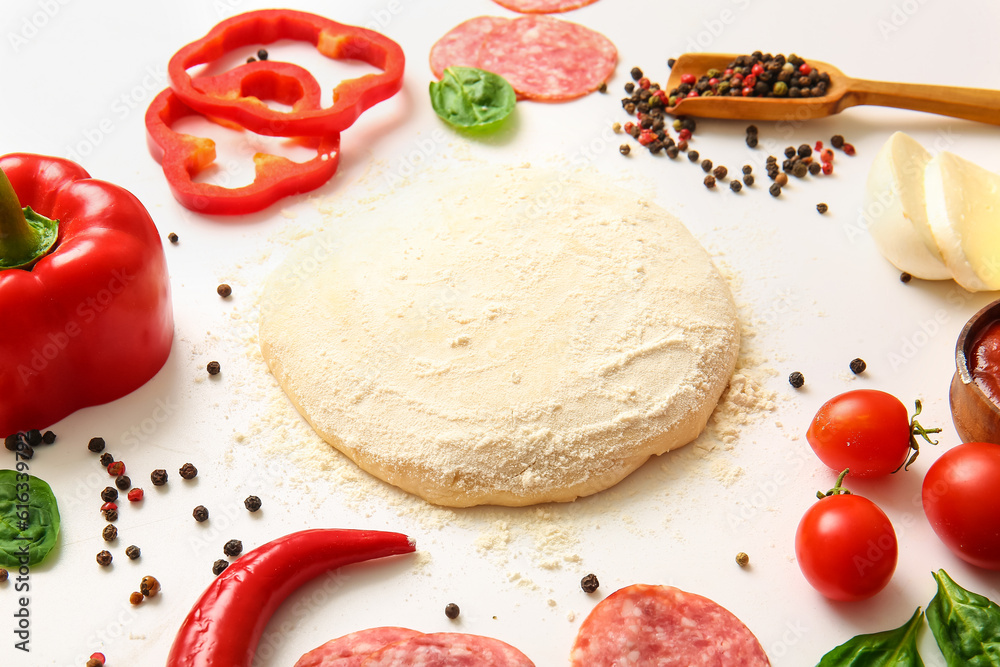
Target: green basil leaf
{"x":470,"y":97}
{"x":892,"y":648}
{"x":29,"y":519}
{"x":966,"y":625}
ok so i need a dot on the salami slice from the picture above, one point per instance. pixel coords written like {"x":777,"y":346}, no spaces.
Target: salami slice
{"x":460,"y":45}
{"x":661,"y":626}
{"x":448,"y":649}
{"x":350,"y":650}
{"x":543,"y":6}
{"x":548,"y":59}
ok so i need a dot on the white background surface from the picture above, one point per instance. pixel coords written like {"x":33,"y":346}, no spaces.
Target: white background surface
{"x":76,"y":78}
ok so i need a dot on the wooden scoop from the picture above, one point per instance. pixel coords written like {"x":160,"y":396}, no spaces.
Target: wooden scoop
{"x":969,"y":103}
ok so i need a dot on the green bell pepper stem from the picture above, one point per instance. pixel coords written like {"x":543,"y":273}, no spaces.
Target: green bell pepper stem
{"x":25,"y":236}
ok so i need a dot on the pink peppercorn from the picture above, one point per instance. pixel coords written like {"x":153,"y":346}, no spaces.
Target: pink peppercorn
{"x":688,"y":79}
{"x":827,"y":168}
{"x":684,"y":134}
{"x":116,"y":468}
{"x":849,"y":149}
{"x":135,"y":495}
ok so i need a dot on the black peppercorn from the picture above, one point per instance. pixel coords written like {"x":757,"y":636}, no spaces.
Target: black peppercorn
{"x":751,"y":129}
{"x":775,"y":189}
{"x":800,"y":169}
{"x":796,"y":379}
{"x":25,"y":451}
{"x":771,"y":159}
{"x":858,"y":366}
{"x":262,"y":54}
{"x":12,"y":441}
{"x":670,"y":62}
{"x":805,"y":150}
{"x":752,"y":140}
{"x":624,"y":149}
{"x":48,"y":437}
{"x":905,"y":277}
{"x":213,"y":367}
{"x":158,"y":477}
{"x":252,"y":503}
{"x":188,"y":471}
{"x":149,"y":586}
{"x":603,"y":88}
{"x":110,"y":533}
{"x":673,"y":151}
{"x":104,"y":558}
{"x":123,"y":482}
{"x":720,"y":172}
{"x":589,"y":583}
{"x":706,"y":165}
{"x":693,"y":156}
{"x":173,"y":238}
{"x":822,"y":208}
{"x":629,"y":87}
{"x":110,"y":515}
{"x":232,"y":548}
{"x":3,"y":575}
{"x":96,"y":445}
{"x":709,"y":181}
{"x":451,"y":610}
{"x":109,"y":494}
{"x":219,"y":566}
{"x":747,"y":169}
{"x":789,"y":151}
{"x":748,"y":180}
{"x":107,"y":459}
{"x":200,"y":513}
{"x":735,"y":185}
{"x":132,"y":552}
{"x":224,"y":290}
{"x":814,"y":168}
{"x":636,"y":73}
{"x":33,"y":437}
{"x":251,"y":59}
{"x":837,"y":141}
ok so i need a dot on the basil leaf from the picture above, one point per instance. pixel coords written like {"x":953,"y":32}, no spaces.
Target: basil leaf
{"x":29,"y":519}
{"x":892,"y":648}
{"x":965,"y":625}
{"x":470,"y":97}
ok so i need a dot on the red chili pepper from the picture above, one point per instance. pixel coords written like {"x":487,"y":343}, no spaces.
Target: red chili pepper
{"x":333,"y":40}
{"x":225,"y":625}
{"x":183,"y":156}
{"x":91,"y":320}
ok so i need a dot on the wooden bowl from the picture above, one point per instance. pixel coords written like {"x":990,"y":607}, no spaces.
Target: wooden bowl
{"x":976,"y":417}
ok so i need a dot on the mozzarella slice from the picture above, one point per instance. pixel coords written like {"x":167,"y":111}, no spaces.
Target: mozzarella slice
{"x":894,"y":206}
{"x":963,"y":209}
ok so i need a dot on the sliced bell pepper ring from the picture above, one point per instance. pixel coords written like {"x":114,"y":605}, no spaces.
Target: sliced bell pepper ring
{"x":89,"y":319}
{"x":333,"y":40}
{"x":182,"y":156}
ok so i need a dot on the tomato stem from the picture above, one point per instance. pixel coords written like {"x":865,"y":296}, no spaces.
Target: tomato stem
{"x":838,"y":488}
{"x":915,"y":430}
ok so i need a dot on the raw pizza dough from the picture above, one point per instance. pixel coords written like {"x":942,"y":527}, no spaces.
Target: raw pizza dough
{"x":507,"y":337}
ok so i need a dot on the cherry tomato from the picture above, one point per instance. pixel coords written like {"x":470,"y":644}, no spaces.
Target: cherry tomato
{"x":846,"y":547}
{"x":961,"y":494}
{"x":867,"y":431}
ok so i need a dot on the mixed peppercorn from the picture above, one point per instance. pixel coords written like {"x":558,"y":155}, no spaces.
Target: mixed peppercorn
{"x":756,"y":75}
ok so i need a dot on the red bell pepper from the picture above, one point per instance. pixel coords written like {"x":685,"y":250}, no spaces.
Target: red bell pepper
{"x":90,"y":320}
{"x":226,"y":623}
{"x":334,"y":40}
{"x":182,"y":156}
